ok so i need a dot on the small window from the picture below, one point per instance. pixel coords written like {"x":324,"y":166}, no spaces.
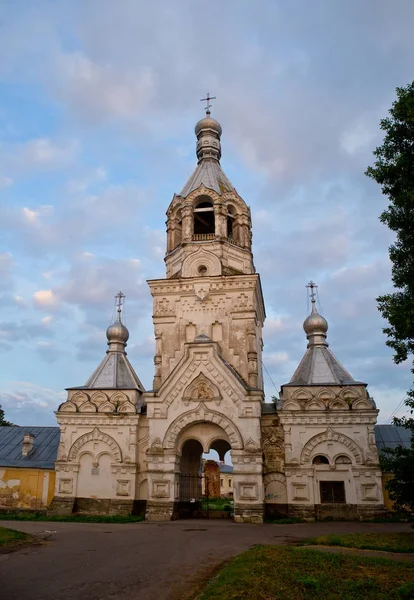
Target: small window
{"x":202,"y":270}
{"x":222,"y":482}
{"x":229,"y":482}
{"x":332,"y":492}
{"x":320,"y":460}
{"x":343,"y":460}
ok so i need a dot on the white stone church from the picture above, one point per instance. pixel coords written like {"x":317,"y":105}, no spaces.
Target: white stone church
{"x":124,"y":449}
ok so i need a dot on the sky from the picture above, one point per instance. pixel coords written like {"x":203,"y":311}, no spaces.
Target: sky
{"x":98,"y":102}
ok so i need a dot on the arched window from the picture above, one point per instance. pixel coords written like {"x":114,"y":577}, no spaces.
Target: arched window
{"x":343,"y":460}
{"x":320,"y":460}
{"x":231,"y":223}
{"x":204,"y":222}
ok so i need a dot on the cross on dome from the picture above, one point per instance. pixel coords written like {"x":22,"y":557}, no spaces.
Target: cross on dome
{"x":208,"y":105}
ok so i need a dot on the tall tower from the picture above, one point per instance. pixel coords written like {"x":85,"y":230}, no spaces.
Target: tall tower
{"x":208,"y":318}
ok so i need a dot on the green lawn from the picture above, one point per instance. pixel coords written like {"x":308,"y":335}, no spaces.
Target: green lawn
{"x":283,"y":573}
{"x":390,"y":542}
{"x":10,"y":538}
{"x":71,"y":518}
{"x":225,"y":504}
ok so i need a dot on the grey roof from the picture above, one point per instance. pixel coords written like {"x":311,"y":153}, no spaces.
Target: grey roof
{"x":226,"y":468}
{"x":319,"y":367}
{"x":44,"y":451}
{"x":268,"y":408}
{"x":209,"y":173}
{"x":391,"y":436}
{"x":114,"y":372}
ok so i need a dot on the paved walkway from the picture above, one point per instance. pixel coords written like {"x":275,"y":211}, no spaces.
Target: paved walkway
{"x":140,"y":561}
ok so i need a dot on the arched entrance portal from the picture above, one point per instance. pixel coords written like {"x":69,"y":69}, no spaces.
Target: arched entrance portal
{"x":200,"y":486}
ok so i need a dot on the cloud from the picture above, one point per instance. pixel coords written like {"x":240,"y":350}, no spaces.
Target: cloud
{"x":38,"y":154}
{"x":5,"y":182}
{"x":45,"y":299}
{"x":27,"y":403}
{"x":98,"y":135}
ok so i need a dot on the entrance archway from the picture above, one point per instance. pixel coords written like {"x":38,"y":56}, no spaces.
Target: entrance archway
{"x":205,"y":485}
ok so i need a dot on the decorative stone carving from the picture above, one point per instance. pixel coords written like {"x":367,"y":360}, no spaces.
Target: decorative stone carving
{"x":95,"y":435}
{"x":201,"y":389}
{"x":156,"y":447}
{"x":331,"y":435}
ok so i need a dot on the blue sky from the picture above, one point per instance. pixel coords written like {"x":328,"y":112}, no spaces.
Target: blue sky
{"x":98,"y":101}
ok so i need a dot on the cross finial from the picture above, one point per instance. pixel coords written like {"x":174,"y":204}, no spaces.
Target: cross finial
{"x":208,"y":105}
{"x":119,"y":303}
{"x":312,"y":286}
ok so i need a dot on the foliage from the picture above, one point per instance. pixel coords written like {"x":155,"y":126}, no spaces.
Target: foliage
{"x":33,"y":516}
{"x":388,"y":542}
{"x":394,"y":171}
{"x":3,"y":421}
{"x":280,"y":573}
{"x":219,"y":504}
{"x":11,"y":537}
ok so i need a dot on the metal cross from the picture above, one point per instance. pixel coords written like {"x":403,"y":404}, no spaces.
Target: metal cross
{"x":119,"y":298}
{"x":312,"y":285}
{"x":208,"y":105}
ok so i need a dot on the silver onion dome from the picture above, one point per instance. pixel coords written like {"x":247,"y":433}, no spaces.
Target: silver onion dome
{"x":315,"y":326}
{"x":208,"y":123}
{"x":117,"y":332}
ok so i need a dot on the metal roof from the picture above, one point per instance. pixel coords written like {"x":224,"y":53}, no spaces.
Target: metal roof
{"x":44,"y":451}
{"x":226,"y":468}
{"x":114,"y":372}
{"x":319,"y":367}
{"x":391,"y":436}
{"x":209,"y":173}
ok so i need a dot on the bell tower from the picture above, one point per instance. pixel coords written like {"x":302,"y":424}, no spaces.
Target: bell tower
{"x":209,"y":261}
{"x":208,"y":317}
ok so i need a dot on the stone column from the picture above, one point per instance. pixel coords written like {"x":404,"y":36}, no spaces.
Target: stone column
{"x":187,"y":222}
{"x":220,"y":216}
{"x":248,"y":484}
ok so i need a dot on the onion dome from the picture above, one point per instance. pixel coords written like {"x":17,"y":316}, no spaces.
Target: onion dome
{"x":208,"y":132}
{"x":315,"y":327}
{"x":208,"y":123}
{"x":117,"y":332}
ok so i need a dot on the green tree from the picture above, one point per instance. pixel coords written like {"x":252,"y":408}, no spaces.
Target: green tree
{"x":394,"y":171}
{"x":3,"y":421}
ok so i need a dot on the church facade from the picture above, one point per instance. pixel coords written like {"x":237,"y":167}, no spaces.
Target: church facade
{"x":125,"y":449}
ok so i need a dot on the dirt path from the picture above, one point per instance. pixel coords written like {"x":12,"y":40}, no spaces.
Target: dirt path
{"x":140,"y":561}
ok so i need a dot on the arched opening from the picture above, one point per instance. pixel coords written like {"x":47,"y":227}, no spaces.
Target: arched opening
{"x":206,"y":472}
{"x":178,"y":230}
{"x":231,"y":224}
{"x":204,"y":221}
{"x":343,"y":460}
{"x":320,"y":459}
{"x":191,"y":484}
{"x":218,"y":476}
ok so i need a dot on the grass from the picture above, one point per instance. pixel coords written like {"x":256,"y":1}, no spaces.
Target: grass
{"x":226,"y":504}
{"x":26,"y":516}
{"x":275,"y":573}
{"x":389,"y":542}
{"x":285,"y":521}
{"x":10,"y":538}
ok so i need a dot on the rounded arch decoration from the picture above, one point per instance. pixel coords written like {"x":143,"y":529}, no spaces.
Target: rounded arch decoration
{"x":331,"y":436}
{"x":201,"y":258}
{"x":94,"y":436}
{"x":199,"y":415}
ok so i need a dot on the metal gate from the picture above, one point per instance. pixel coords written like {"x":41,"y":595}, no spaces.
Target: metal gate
{"x":193,"y":497}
